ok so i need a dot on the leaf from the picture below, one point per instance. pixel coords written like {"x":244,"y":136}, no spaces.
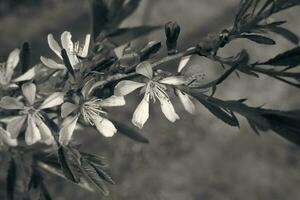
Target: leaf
{"x":69,"y":165}
{"x":95,"y":159}
{"x":290,"y":36}
{"x":93,"y":176}
{"x":45,"y":195}
{"x":219,"y":113}
{"x":67,"y":62}
{"x":125,"y":35}
{"x":129,"y":8}
{"x":11,"y":180}
{"x":290,"y":58}
{"x":25,"y":57}
{"x":151,"y":48}
{"x":130,"y":132}
{"x":258,"y":39}
{"x":108,"y":15}
{"x":103,"y":174}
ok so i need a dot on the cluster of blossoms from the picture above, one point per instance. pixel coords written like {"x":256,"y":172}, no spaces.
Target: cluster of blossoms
{"x":28,"y":110}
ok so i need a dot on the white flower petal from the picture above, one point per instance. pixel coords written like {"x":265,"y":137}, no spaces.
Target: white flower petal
{"x":54,"y":46}
{"x":10,"y":103}
{"x":12,"y":86}
{"x":67,"y":108}
{"x":104,"y":126}
{"x":112,"y":101}
{"x":183,"y":62}
{"x":187,"y":103}
{"x":46,"y":135}
{"x":173,"y":80}
{"x":12,"y":62}
{"x":51,"y":63}
{"x":26,"y":76}
{"x":32,"y":134}
{"x":145,"y":69}
{"x":168,"y":109}
{"x":141,"y":113}
{"x":86,"y":46}
{"x":29,"y":91}
{"x":66,"y":41}
{"x":125,"y":87}
{"x":65,"y":134}
{"x":53,"y":100}
{"x":15,"y":125}
{"x":5,"y":137}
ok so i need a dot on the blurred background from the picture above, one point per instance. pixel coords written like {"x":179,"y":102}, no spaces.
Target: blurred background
{"x":198,"y":157}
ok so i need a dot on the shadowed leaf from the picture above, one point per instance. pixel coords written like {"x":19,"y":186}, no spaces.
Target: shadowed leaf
{"x":125,"y":35}
{"x":259,"y":39}
{"x":11,"y":180}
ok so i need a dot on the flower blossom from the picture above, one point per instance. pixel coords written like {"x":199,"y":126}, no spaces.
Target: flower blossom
{"x":36,"y":129}
{"x":185,"y":99}
{"x":91,"y":110}
{"x":7,"y":71}
{"x":74,"y":51}
{"x":153,"y":89}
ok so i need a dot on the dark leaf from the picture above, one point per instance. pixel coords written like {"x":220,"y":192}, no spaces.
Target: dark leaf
{"x":108,"y":15}
{"x":93,"y":176}
{"x":259,"y":39}
{"x":103,"y":174}
{"x":129,"y":8}
{"x":292,"y":37}
{"x":290,"y":58}
{"x":130,"y":132}
{"x":151,"y":48}
{"x":67,"y":62}
{"x":25,"y":57}
{"x":95,"y":159}
{"x":100,"y":16}
{"x":11,"y":180}
{"x":69,"y":164}
{"x":218,"y":112}
{"x":125,"y":35}
{"x":45,"y":195}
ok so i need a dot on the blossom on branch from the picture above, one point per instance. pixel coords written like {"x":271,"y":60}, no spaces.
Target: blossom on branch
{"x":36,"y":129}
{"x":154,"y":88}
{"x":7,"y":70}
{"x":91,"y":110}
{"x":74,"y":51}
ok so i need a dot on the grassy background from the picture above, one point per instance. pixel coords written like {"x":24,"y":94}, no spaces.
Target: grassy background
{"x":199,"y":157}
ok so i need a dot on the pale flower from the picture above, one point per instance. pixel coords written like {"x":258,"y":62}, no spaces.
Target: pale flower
{"x":153,"y":89}
{"x":36,"y":129}
{"x":7,"y":71}
{"x":185,"y":99}
{"x":91,"y":110}
{"x":74,"y":50}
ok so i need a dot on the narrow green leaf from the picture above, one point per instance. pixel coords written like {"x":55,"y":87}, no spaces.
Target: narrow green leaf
{"x":94,"y":177}
{"x":130,"y":132}
{"x":67,"y":62}
{"x":290,"y":58}
{"x":11,"y":180}
{"x":125,"y":35}
{"x":259,"y":39}
{"x":69,"y":165}
{"x":289,"y":35}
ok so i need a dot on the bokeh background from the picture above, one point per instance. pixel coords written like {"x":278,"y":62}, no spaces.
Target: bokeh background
{"x":198,"y":157}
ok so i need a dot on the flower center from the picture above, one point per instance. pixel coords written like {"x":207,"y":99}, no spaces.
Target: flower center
{"x":90,"y":110}
{"x":156,"y":90}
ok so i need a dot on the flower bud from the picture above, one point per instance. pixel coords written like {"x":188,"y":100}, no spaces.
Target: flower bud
{"x":172,"y":30}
